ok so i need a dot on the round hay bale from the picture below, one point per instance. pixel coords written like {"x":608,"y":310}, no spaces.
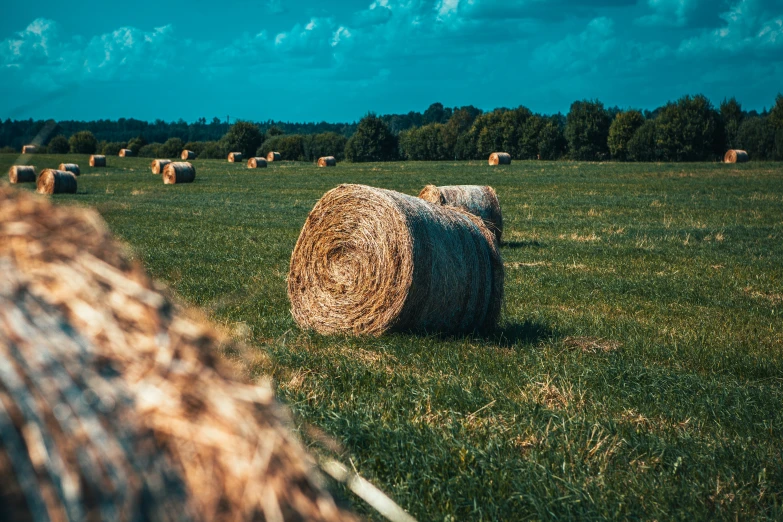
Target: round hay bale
{"x":274,"y":156}
{"x":736,"y":156}
{"x":370,"y":260}
{"x":500,"y":158}
{"x":187,"y":155}
{"x":125,"y":153}
{"x":21,"y":174}
{"x":29,"y":149}
{"x":158,"y":165}
{"x":73,"y":168}
{"x":256,"y":163}
{"x":327,"y":161}
{"x":52,"y":181}
{"x":479,"y":201}
{"x":97,"y":160}
{"x":234,"y":157}
{"x":114,"y":404}
{"x":178,"y":172}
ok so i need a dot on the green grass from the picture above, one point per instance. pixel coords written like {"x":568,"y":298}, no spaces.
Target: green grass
{"x":637,"y":371}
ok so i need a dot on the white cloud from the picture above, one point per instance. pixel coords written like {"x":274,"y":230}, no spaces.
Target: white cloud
{"x":682,"y":13}
{"x":578,"y":52}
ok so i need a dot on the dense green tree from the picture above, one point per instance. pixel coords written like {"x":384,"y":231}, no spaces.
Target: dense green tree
{"x":689,"y":130}
{"x":732,"y":116}
{"x":273,"y":131}
{"x":512,"y":125}
{"x":83,"y":142}
{"x":196,"y":146}
{"x":436,"y":113}
{"x":775,"y":120}
{"x":460,"y":122}
{"x":587,"y":131}
{"x":324,"y":144}
{"x":552,"y":143}
{"x":756,"y":136}
{"x":642,"y":146}
{"x":487,"y":131}
{"x":290,"y":146}
{"x":151,"y":150}
{"x":244,"y":137}
{"x":214,"y":150}
{"x":112,"y":148}
{"x":424,"y":143}
{"x":172,"y":148}
{"x":59,"y":145}
{"x":136,"y":144}
{"x":371,"y":142}
{"x":621,"y":131}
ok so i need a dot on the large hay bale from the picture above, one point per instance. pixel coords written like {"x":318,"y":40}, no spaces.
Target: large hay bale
{"x":327,"y":161}
{"x":500,"y":158}
{"x":125,"y":153}
{"x":234,"y":157}
{"x":158,"y":165}
{"x":369,"y":260}
{"x":479,"y":201}
{"x":52,"y":181}
{"x":187,"y":155}
{"x":97,"y":160}
{"x":736,"y":156}
{"x":113,"y":404}
{"x":29,"y":149}
{"x":21,"y":174}
{"x":256,"y":163}
{"x":73,"y":168}
{"x":178,"y":172}
{"x":274,"y":156}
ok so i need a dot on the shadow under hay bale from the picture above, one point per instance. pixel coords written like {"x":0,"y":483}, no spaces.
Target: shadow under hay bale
{"x":479,"y":201}
{"x":234,"y":157}
{"x":158,"y":165}
{"x":73,"y":168}
{"x":187,"y":155}
{"x":327,"y":161}
{"x":274,"y":156}
{"x":21,"y":174}
{"x":113,"y":405}
{"x":500,"y":158}
{"x":125,"y":153}
{"x":256,"y":163}
{"x":52,"y":181}
{"x":178,"y":172}
{"x":97,"y":160}
{"x":736,"y":156}
{"x":370,"y":260}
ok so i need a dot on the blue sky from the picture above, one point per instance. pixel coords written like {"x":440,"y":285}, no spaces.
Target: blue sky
{"x":307,"y":60}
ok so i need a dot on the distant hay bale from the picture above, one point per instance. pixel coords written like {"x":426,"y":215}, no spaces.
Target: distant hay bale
{"x":256,"y":163}
{"x":113,"y":402}
{"x":479,"y":201}
{"x":29,"y":149}
{"x":73,"y":168}
{"x":52,"y":181}
{"x":125,"y":153}
{"x":500,"y":158}
{"x":178,"y":172}
{"x":274,"y":156}
{"x":234,"y":157}
{"x":187,"y":155}
{"x":370,"y":260}
{"x":736,"y":156}
{"x":327,"y":161}
{"x":158,"y":165}
{"x":97,"y":160}
{"x":21,"y":174}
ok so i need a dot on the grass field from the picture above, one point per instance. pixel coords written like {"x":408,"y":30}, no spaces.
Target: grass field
{"x":637,"y":370}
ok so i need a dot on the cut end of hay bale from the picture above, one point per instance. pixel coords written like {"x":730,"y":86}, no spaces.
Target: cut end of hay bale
{"x":21,"y":174}
{"x":481,"y":201}
{"x":500,"y":158}
{"x":52,"y":181}
{"x":73,"y":168}
{"x":736,"y":156}
{"x":158,"y":165}
{"x":256,"y":163}
{"x":97,"y":160}
{"x":187,"y":155}
{"x":178,"y":172}
{"x":370,"y":260}
{"x":234,"y":157}
{"x":327,"y":161}
{"x":125,"y":153}
{"x":274,"y":156}
{"x":29,"y":149}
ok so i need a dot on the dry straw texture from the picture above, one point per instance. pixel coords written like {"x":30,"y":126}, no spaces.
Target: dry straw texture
{"x":369,"y":260}
{"x":327,"y":161}
{"x":97,"y":161}
{"x":125,"y":153}
{"x":52,"y":181}
{"x":73,"y":168}
{"x":158,"y":165}
{"x":256,"y":163}
{"x":274,"y":156}
{"x":112,"y":403}
{"x":29,"y":149}
{"x":479,"y":201}
{"x":178,"y":172}
{"x":736,"y":156}
{"x":234,"y":157}
{"x":187,"y":155}
{"x":500,"y":158}
{"x":21,"y":174}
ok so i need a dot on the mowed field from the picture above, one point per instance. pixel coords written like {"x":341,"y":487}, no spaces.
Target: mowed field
{"x":637,"y":370}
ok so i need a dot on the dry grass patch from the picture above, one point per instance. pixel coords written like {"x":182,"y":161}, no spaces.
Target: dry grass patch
{"x":772,"y":298}
{"x":581,"y":238}
{"x":518,"y":264}
{"x":591,"y":344}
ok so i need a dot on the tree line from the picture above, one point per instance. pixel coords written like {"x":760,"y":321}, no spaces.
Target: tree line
{"x":690,"y":129}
